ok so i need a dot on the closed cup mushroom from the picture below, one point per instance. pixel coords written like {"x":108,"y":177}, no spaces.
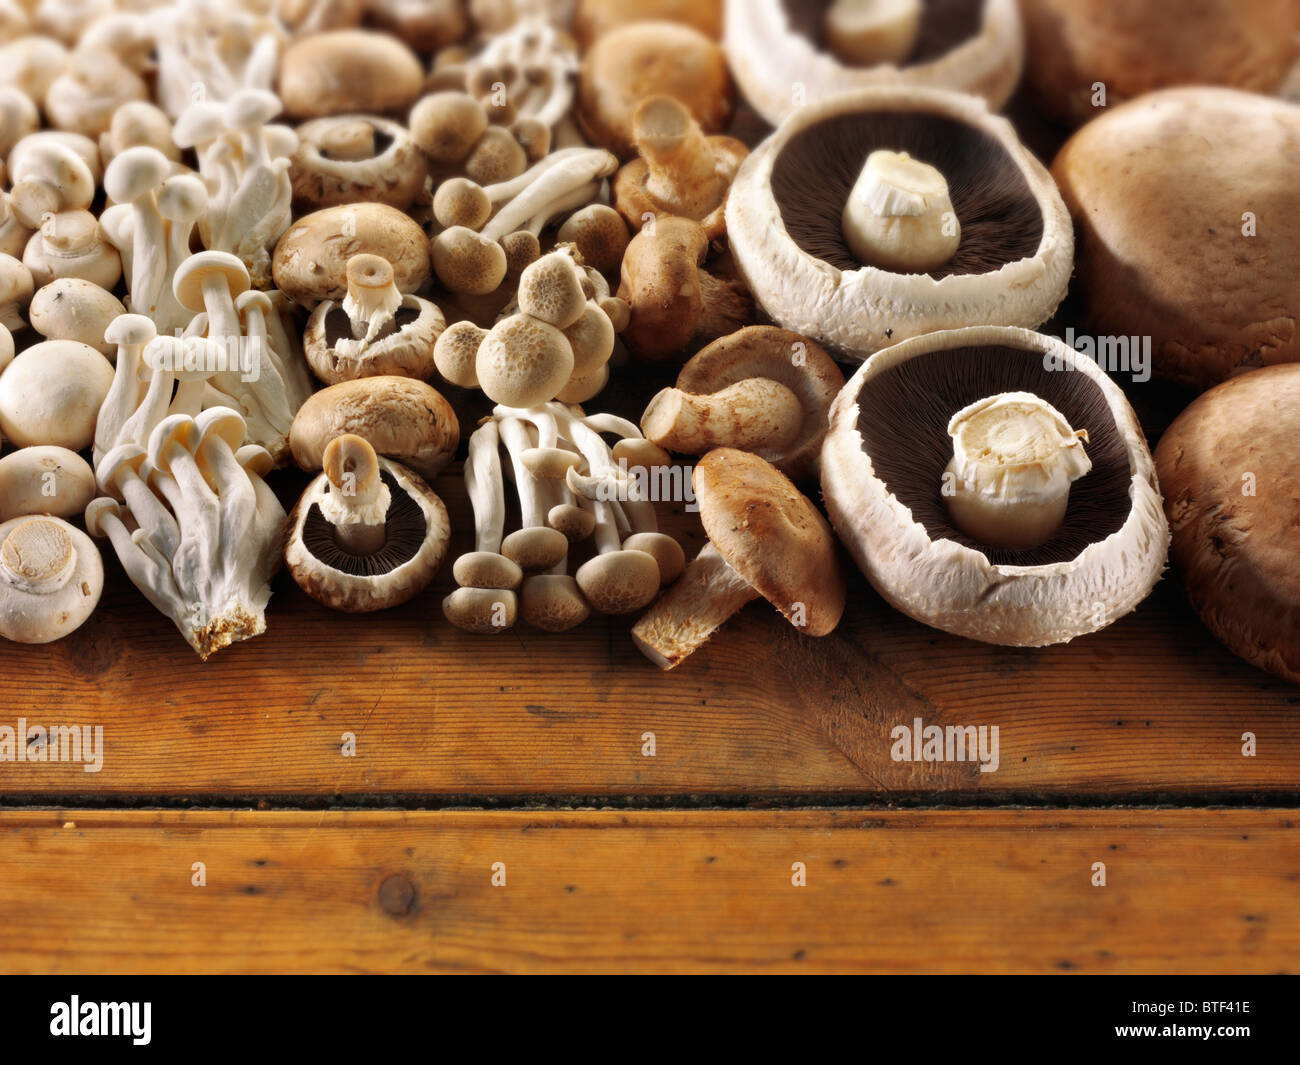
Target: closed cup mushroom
{"x":51,"y":394}
{"x":356,"y":158}
{"x":402,"y":419}
{"x":957,"y":473}
{"x":367,"y":534}
{"x":311,"y":259}
{"x":766,"y":540}
{"x":1188,"y":219}
{"x":760,"y":389}
{"x":51,"y":577}
{"x":346,"y":71}
{"x":650,"y":58}
{"x":785,"y":55}
{"x":44,"y":480}
{"x":71,"y":308}
{"x":72,"y":244}
{"x":376,"y":330}
{"x":890,"y":212}
{"x":1229,"y":468}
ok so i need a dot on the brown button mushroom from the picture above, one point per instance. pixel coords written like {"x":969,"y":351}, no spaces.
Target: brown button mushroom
{"x":785,"y":55}
{"x":51,"y":577}
{"x":426,"y":25}
{"x":645,"y":59}
{"x":367,"y":534}
{"x":311,"y":258}
{"x":348,"y":71}
{"x":680,"y":172}
{"x":1228,"y":467}
{"x":675,"y":303}
{"x":402,"y":419}
{"x":842,"y":222}
{"x":765,"y":540}
{"x":1075,"y":46}
{"x":761,"y":389}
{"x":599,"y":234}
{"x":1188,"y":216}
{"x":595,"y":18}
{"x":374,"y":331}
{"x":944,"y":450}
{"x":355,"y":159}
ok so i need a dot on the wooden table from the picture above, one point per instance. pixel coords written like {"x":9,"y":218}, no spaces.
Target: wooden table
{"x":502,"y":809}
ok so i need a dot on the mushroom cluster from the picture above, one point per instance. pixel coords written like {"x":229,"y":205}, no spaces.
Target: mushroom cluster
{"x":571,"y":485}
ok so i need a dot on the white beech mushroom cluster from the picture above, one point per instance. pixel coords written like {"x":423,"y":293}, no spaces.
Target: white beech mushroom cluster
{"x":572,"y":485}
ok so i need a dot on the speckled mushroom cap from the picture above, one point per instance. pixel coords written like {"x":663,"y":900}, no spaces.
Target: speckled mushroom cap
{"x":1159,"y":189}
{"x":779,"y":57}
{"x":1229,"y":468}
{"x":784,"y":222}
{"x":1134,"y":48}
{"x":401,"y":418}
{"x":768,"y":532}
{"x":882,"y":476}
{"x":418,"y":532}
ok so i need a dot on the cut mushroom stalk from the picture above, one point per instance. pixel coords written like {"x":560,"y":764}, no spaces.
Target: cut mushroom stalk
{"x":373,"y":298}
{"x":358,"y":500}
{"x":1014,"y":458}
{"x":869,"y":32}
{"x":899,"y":215}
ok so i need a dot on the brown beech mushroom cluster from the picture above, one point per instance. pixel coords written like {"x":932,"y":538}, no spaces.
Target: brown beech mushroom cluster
{"x":571,"y":485}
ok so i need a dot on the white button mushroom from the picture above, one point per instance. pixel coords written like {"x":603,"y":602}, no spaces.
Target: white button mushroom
{"x":51,"y":577}
{"x":44,"y":480}
{"x":72,"y":308}
{"x":1014,"y":458}
{"x":51,"y":394}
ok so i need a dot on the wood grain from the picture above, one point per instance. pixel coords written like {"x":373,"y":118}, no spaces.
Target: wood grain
{"x":887,"y":891}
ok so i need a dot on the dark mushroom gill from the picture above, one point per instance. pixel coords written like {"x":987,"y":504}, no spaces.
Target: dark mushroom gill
{"x":903,"y":419}
{"x":339,"y":327}
{"x":944,"y":24}
{"x":406,"y":531}
{"x":812,"y":178}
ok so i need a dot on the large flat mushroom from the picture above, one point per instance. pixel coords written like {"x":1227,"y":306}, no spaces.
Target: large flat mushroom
{"x":789,"y":53}
{"x":885,"y":175}
{"x":1229,"y":469}
{"x":1188,"y":216}
{"x":911,"y":433}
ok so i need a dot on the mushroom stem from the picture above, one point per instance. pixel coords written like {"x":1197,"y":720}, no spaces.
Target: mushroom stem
{"x":485,"y":488}
{"x":899,"y":215}
{"x":358,"y":501}
{"x":1014,"y":458}
{"x":553,"y":186}
{"x":223,"y":322}
{"x":707,"y":594}
{"x":683,"y":173}
{"x":535,"y":546}
{"x":754,"y":414}
{"x":865,"y":33}
{"x":373,"y":298}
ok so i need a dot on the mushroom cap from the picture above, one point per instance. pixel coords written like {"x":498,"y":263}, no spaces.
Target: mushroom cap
{"x":667,"y":553}
{"x":595,"y":18}
{"x":456,"y":353}
{"x":553,"y":602}
{"x":393,"y":174}
{"x":778,"y":355}
{"x":882,"y":477}
{"x":182,"y":198}
{"x":311,"y":258}
{"x":771,"y":534}
{"x":1228,"y":467}
{"x":535,"y":549}
{"x":45,"y":480}
{"x":51,"y":394}
{"x":461,"y":202}
{"x":467,"y":262}
{"x":71,"y":308}
{"x":1134,"y":49}
{"x":486,"y":569}
{"x":404,"y":419}
{"x":135,"y":172}
{"x":1158,"y":188}
{"x":201,"y":122}
{"x":599,"y":234}
{"x":550,"y":290}
{"x":33,"y":549}
{"x":187,"y":284}
{"x":446,"y":125}
{"x":482,"y":611}
{"x":250,"y":109}
{"x":644,"y":59}
{"x":784,"y":222}
{"x":407,"y":351}
{"x":971,"y":46}
{"x":619,"y":582}
{"x":348,"y":70}
{"x":418,"y":532}
{"x":523,"y":362}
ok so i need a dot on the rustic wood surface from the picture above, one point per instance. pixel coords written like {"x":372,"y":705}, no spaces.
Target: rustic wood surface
{"x":939,"y":891}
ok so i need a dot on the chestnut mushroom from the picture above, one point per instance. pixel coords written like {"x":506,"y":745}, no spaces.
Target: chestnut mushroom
{"x":356,"y":159}
{"x":343,"y":71}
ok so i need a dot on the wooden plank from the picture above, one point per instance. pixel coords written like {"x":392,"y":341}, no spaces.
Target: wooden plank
{"x":1151,"y":706}
{"x":886,"y":891}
